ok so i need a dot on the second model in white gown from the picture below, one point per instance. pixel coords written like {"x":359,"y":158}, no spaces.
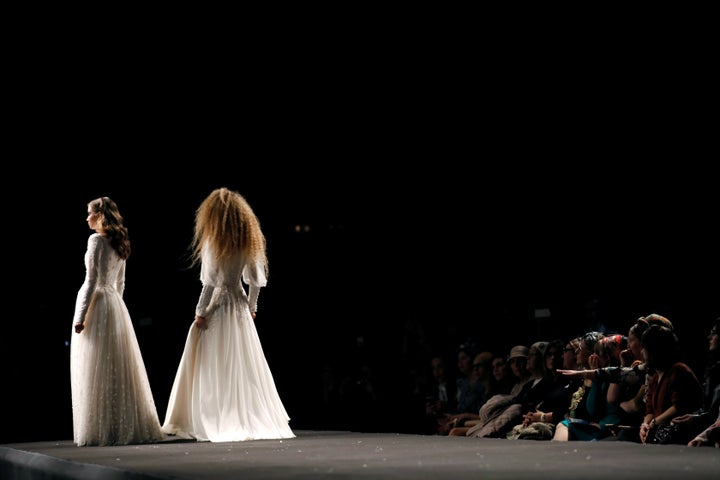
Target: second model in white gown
{"x":111,"y":397}
{"x":224,"y":390}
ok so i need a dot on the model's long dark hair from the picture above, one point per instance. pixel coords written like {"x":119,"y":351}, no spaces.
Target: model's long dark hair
{"x":112,"y":225}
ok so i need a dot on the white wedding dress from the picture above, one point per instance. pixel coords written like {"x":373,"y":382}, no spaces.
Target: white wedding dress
{"x":111,"y":398}
{"x":224,"y":390}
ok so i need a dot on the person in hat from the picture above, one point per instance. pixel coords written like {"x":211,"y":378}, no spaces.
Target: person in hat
{"x":518,"y":365}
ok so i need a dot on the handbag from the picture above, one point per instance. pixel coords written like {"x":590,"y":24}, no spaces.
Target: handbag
{"x":666,"y":434}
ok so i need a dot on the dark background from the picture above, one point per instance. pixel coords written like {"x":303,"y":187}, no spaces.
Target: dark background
{"x":411,"y":195}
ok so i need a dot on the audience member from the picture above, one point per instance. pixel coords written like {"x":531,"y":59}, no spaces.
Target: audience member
{"x":440,"y":393}
{"x":556,"y":403}
{"x":504,"y":379}
{"x":469,"y":389}
{"x":482,"y":365}
{"x":700,"y":420}
{"x":673,"y":388}
{"x":518,"y":366}
{"x":589,"y":412}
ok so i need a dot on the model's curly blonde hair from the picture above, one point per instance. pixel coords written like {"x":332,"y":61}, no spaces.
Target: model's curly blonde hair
{"x":227,"y":224}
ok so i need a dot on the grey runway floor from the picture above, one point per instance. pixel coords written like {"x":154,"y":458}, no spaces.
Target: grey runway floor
{"x":349,"y":455}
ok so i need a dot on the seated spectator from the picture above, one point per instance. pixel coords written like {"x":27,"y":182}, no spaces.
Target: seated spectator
{"x":698,"y":421}
{"x":556,"y":403}
{"x":440,"y":393}
{"x":518,"y":366}
{"x":673,"y":389}
{"x":589,"y":412}
{"x":504,"y":380}
{"x":482,"y":364}
{"x":469,"y":389}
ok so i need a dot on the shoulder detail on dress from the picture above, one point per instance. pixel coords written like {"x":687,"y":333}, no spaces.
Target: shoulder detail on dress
{"x":95,"y":240}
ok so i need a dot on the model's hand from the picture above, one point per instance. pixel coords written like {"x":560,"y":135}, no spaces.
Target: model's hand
{"x":201,"y":322}
{"x":79,"y":327}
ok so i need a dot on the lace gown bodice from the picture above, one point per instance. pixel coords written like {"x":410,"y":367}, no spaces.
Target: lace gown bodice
{"x":103,"y":269}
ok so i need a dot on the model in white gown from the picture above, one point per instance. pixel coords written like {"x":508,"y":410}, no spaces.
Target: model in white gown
{"x":224,"y":390}
{"x":111,"y":398}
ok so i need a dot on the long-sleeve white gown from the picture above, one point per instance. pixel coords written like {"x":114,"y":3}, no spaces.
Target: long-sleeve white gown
{"x":224,"y":390}
{"x":111,"y":397}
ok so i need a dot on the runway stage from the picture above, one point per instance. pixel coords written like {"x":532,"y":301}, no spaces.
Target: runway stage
{"x":349,"y":455}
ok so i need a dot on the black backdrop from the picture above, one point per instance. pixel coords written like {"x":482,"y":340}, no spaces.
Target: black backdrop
{"x":443,"y":198}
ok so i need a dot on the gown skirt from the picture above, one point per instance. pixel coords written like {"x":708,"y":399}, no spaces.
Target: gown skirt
{"x":224,"y":390}
{"x":111,"y":397}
